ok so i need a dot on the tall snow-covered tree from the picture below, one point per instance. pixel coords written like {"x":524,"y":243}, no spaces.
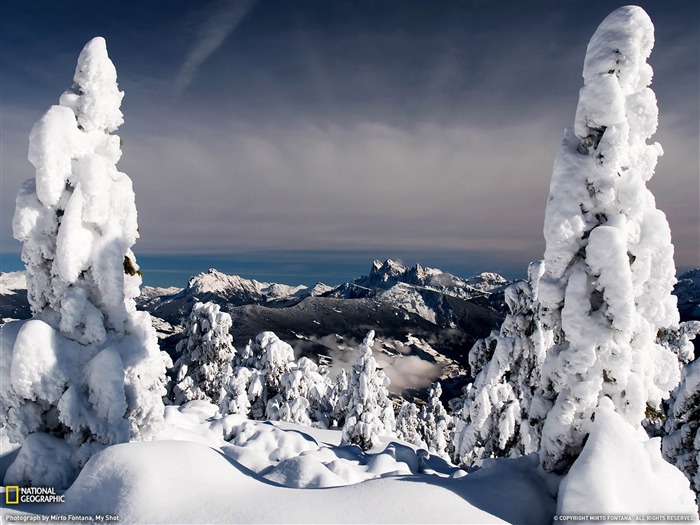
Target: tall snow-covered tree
{"x":495,"y":417}
{"x":204,"y":366}
{"x":370,"y":411}
{"x":609,"y":270}
{"x":435,"y":422}
{"x":86,"y":371}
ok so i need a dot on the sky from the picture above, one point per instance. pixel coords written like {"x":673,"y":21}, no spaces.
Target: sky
{"x":320,"y":133}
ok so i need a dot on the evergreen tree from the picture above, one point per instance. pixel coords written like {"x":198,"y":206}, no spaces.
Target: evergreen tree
{"x":267,"y":383}
{"x":408,"y":425}
{"x":340,"y":399}
{"x":435,"y":422}
{"x":609,"y":270}
{"x":370,"y":411}
{"x":86,"y":370}
{"x":204,"y":366}
{"x":681,"y":445}
{"x":495,"y":417}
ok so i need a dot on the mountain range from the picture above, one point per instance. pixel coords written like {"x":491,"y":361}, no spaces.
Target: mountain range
{"x":426,"y":320}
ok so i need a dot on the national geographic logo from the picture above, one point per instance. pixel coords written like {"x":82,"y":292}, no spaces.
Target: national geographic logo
{"x":14,"y":495}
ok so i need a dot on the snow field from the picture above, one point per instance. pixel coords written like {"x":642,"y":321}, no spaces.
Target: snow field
{"x":191,"y":474}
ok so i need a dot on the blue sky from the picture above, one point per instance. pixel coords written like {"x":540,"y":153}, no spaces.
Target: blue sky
{"x":424,"y":131}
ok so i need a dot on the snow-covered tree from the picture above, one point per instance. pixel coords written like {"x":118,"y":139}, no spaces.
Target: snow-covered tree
{"x":435,"y":422}
{"x":245,"y":389}
{"x":408,"y":425}
{"x":681,"y":445}
{"x":260,"y":372}
{"x":495,"y":417}
{"x":86,"y":371}
{"x":681,"y":420}
{"x":370,"y":412}
{"x":204,"y":366}
{"x":609,"y":270}
{"x":304,"y":396}
{"x":340,"y":398}
{"x":266,"y":383}
{"x":316,"y":387}
{"x":237,"y":399}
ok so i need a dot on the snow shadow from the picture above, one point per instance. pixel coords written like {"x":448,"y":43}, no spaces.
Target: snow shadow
{"x":508,"y":488}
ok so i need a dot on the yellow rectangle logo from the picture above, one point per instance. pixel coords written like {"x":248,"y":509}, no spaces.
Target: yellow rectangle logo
{"x":8,"y":499}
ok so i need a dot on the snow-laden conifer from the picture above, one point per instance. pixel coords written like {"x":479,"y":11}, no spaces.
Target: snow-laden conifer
{"x":408,"y":425}
{"x":370,"y":411}
{"x":304,"y":397}
{"x":681,"y":444}
{"x":261,"y":373}
{"x":435,"y":422}
{"x":609,"y":270}
{"x":266,"y":383}
{"x":86,"y":371}
{"x":495,"y":418}
{"x":204,"y":366}
{"x":340,"y":399}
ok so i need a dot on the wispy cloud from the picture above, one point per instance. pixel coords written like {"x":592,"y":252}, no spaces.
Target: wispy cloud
{"x":217,"y":27}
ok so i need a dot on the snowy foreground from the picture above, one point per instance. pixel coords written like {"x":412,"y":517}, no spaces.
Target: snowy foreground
{"x":191,"y":474}
{"x":203,"y":468}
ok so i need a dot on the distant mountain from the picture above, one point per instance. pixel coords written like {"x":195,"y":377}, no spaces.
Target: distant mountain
{"x":687,"y":290}
{"x":436,"y":296}
{"x":13,"y":296}
{"x":173,"y":304}
{"x":418,"y":313}
{"x":426,"y":313}
{"x":425,"y":291}
{"x":385,"y":275}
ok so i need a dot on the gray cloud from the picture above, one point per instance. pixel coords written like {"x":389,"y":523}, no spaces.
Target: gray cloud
{"x":217,"y":27}
{"x":370,"y":136}
{"x":403,"y":370}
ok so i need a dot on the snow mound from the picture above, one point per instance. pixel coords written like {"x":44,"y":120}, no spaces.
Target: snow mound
{"x":183,"y":482}
{"x":192,"y":474}
{"x":621,"y":471}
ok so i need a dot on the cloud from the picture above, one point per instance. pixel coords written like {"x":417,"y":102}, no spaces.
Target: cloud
{"x":404,"y":370}
{"x":211,"y":35}
{"x":344,"y":186}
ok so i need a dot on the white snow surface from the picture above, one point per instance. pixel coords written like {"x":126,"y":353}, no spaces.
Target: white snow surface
{"x":208,"y":469}
{"x":621,"y":471}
